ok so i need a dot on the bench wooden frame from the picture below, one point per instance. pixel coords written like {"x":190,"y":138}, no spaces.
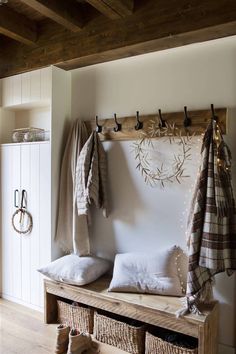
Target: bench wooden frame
{"x":152,"y":309}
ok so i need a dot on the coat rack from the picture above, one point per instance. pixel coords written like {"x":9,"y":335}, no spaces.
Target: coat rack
{"x":130,"y":128}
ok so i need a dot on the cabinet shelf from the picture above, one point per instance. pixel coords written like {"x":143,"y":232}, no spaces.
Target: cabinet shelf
{"x":26,"y":102}
{"x":26,"y":143}
{"x":10,"y":119}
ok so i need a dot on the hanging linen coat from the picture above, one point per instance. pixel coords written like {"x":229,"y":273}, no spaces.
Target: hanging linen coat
{"x":212,"y":221}
{"x":72,"y":230}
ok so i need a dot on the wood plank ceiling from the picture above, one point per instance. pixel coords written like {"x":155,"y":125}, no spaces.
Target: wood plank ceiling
{"x":75,"y":33}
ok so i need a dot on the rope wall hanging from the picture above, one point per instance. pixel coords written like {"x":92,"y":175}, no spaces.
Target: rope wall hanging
{"x":22,"y":217}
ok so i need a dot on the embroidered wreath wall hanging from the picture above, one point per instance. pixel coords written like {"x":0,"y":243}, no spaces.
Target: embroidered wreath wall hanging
{"x":158,"y":162}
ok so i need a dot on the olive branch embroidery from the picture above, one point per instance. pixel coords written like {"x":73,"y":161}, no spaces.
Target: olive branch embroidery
{"x":159,"y":175}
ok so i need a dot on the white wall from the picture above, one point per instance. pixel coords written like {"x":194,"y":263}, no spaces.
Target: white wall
{"x":35,"y":117}
{"x":145,"y":218}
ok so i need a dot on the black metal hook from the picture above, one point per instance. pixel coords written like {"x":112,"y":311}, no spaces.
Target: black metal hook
{"x":214,"y":116}
{"x":162,"y":123}
{"x":117,"y":128}
{"x":23,"y":199}
{"x":16,"y":198}
{"x":98,"y":127}
{"x":139,"y":124}
{"x":187,"y":120}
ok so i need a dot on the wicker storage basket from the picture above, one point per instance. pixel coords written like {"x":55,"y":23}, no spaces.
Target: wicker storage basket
{"x":155,"y":345}
{"x":79,"y":317}
{"x":128,"y":336}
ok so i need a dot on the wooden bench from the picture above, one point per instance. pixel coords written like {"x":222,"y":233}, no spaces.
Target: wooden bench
{"x":152,"y":309}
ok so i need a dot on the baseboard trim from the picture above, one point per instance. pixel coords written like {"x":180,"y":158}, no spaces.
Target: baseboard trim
{"x":225,"y":349}
{"x":20,"y":302}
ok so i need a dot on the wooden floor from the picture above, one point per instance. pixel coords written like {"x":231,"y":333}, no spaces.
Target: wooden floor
{"x":22,"y":331}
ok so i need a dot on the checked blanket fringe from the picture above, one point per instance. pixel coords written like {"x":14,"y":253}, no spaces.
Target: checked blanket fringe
{"x":212,"y":222}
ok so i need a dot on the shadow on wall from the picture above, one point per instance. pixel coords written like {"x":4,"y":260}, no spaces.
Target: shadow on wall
{"x":84,"y":97}
{"x":122,"y":187}
{"x":224,"y":293}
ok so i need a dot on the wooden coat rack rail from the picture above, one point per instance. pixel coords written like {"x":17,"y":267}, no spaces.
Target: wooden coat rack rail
{"x":199,"y":121}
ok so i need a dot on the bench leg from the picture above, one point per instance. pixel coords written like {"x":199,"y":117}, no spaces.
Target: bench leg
{"x":50,"y":308}
{"x":208,"y":334}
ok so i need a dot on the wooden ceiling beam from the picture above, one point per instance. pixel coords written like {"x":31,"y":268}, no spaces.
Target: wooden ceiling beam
{"x":17,"y":26}
{"x":66,"y":13}
{"x":154,"y":26}
{"x":122,"y":7}
{"x":113,"y":9}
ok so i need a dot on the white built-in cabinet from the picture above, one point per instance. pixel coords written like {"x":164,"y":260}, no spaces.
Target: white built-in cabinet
{"x":40,"y":99}
{"x":25,"y":167}
{"x":32,"y":87}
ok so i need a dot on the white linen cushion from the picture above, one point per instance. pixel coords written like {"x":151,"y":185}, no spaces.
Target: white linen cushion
{"x":163,"y":272}
{"x":76,"y":270}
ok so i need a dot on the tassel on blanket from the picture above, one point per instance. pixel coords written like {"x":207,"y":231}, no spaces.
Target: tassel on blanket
{"x":189,"y":306}
{"x":192,"y":304}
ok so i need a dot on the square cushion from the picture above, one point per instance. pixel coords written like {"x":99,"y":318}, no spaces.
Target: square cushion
{"x":76,"y":270}
{"x":162,"y":272}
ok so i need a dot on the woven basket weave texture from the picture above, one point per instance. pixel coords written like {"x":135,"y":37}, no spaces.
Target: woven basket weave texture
{"x":78,"y":317}
{"x":155,"y":345}
{"x":130,"y":338}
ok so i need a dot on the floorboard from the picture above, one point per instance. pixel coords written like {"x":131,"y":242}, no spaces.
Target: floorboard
{"x":22,"y":331}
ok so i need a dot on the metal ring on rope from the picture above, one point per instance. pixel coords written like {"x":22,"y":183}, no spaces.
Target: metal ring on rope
{"x":30,"y":223}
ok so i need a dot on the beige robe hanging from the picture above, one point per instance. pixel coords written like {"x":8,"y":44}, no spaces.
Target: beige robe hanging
{"x":72,"y":229}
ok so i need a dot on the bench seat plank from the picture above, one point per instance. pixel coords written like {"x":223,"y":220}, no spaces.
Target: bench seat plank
{"x":152,"y":309}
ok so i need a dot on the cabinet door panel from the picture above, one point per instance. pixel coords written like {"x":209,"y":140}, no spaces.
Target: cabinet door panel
{"x":7,"y":92}
{"x":6,"y":228}
{"x":45,"y":209}
{"x":35,"y":86}
{"x":16,"y":83}
{"x":16,"y":238}
{"x":35,"y":234}
{"x":46,"y":84}
{"x":26,"y":239}
{"x":25,"y":82}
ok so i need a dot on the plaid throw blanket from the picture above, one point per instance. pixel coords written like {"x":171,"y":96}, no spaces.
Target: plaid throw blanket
{"x":212,"y":221}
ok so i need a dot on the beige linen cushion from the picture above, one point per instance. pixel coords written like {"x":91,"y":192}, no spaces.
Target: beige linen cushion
{"x":163,"y":272}
{"x":76,"y":270}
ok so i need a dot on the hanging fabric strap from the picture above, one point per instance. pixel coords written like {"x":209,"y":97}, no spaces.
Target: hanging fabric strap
{"x":23,"y":212}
